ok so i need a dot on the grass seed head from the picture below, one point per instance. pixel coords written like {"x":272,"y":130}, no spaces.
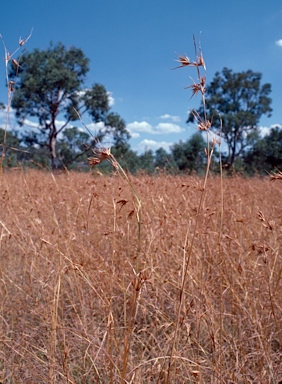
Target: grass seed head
{"x":196,"y":87}
{"x":200,"y":61}
{"x":204,"y":125}
{"x":276,"y":176}
{"x":100,"y":155}
{"x":184,"y":61}
{"x":104,"y":153}
{"x":92,"y":161}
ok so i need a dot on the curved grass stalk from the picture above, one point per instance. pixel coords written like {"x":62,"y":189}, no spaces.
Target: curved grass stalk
{"x":203,"y":124}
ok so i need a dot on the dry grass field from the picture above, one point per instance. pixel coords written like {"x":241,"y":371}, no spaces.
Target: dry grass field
{"x":86,"y":298}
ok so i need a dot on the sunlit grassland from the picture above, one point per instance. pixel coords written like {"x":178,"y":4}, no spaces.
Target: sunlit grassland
{"x":69,"y":277}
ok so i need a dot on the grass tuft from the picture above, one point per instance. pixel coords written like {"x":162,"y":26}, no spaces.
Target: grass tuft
{"x":68,"y":280}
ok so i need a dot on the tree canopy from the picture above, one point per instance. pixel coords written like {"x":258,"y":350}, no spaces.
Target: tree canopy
{"x":190,"y":155}
{"x":234,"y":104}
{"x":266,"y":153}
{"x":50,"y":85}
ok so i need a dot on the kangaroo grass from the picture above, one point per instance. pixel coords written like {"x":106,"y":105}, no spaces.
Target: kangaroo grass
{"x":203,"y":125}
{"x":140,"y":277}
{"x":9,"y":58}
{"x":73,"y":307}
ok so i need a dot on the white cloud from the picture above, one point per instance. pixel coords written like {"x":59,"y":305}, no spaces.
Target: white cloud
{"x":279,"y":42}
{"x":264,"y":131}
{"x":82,"y":92}
{"x":160,"y":129}
{"x":141,"y":126}
{"x":111,"y":99}
{"x":35,"y":124}
{"x":152,"y":144}
{"x":7,"y":119}
{"x":166,"y":128}
{"x":31,"y":124}
{"x":276,"y":125}
{"x":95,"y":126}
{"x":167,"y":116}
{"x":3,"y":112}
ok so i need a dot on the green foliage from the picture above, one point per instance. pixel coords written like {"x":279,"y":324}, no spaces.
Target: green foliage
{"x":129,"y":161}
{"x":37,"y":157}
{"x":147,"y":161}
{"x":10,"y":138}
{"x":236,"y":102}
{"x":119,"y":134}
{"x":50,"y":84}
{"x":164,"y":161}
{"x":266,"y":153}
{"x":75,"y":139}
{"x":11,"y":143}
{"x":190,"y":155}
{"x":73,"y":147}
{"x":96,"y":102}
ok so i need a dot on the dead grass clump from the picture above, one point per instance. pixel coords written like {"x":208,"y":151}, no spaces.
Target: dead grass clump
{"x":68,"y":277}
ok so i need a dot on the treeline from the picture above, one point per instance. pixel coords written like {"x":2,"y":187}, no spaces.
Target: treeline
{"x":50,"y":87}
{"x":75,"y":146}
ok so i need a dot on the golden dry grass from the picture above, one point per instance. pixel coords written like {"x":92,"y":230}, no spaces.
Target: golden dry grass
{"x":69,"y":286}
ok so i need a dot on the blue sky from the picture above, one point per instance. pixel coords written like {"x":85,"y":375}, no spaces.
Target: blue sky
{"x":133,"y":44}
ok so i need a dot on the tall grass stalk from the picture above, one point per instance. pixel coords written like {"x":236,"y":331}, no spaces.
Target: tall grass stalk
{"x":139,"y":278}
{"x":105,"y":154}
{"x":9,"y":59}
{"x":203,"y":125}
{"x":101,"y":154}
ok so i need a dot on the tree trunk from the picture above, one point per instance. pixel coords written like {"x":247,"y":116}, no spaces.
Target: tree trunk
{"x":232,"y":158}
{"x":52,"y":148}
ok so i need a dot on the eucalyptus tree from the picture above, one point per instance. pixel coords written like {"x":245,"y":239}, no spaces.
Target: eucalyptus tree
{"x":234,"y":104}
{"x":50,"y":87}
